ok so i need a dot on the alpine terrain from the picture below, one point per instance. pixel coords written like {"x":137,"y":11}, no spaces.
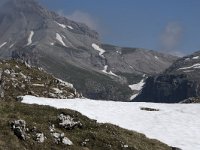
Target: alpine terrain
{"x":73,"y":52}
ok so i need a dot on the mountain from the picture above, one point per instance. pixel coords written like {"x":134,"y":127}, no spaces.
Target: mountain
{"x":179,"y":83}
{"x":73,"y":52}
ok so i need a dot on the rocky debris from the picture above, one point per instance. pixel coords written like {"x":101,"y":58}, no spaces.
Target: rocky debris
{"x":125,"y":146}
{"x":191,"y":100}
{"x":22,"y":132}
{"x":40,"y":137}
{"x":19,"y":128}
{"x":68,"y":122}
{"x":84,"y":143}
{"x":60,"y":138}
{"x":148,"y":109}
{"x":26,"y":80}
{"x":52,"y":128}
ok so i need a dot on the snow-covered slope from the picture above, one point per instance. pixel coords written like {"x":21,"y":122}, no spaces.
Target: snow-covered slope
{"x":174,"y":124}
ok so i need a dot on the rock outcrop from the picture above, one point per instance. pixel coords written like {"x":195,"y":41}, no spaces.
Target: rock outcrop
{"x":178,"y":83}
{"x":19,"y":79}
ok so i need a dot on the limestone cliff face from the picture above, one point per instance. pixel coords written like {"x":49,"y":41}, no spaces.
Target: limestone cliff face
{"x":178,"y":83}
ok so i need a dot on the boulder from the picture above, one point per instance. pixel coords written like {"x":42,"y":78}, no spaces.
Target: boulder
{"x":68,"y":122}
{"x":19,"y":128}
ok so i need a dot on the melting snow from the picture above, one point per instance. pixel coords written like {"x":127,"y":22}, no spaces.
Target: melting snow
{"x":110,"y":72}
{"x":101,"y":51}
{"x":59,"y":38}
{"x":133,"y":96}
{"x":30,"y":38}
{"x":187,"y":59}
{"x":156,"y":57}
{"x":61,"y":25}
{"x":196,"y":57}
{"x":11,"y":45}
{"x":195,"y":66}
{"x":64,"y":26}
{"x":177,"y":125}
{"x":118,"y":52}
{"x":70,"y":27}
{"x":138,"y":86}
{"x":2,"y":45}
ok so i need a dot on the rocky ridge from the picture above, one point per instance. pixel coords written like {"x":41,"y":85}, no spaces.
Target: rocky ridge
{"x":178,"y":83}
{"x":19,"y":79}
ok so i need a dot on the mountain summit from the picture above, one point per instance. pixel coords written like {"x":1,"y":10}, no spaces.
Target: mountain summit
{"x":73,"y":52}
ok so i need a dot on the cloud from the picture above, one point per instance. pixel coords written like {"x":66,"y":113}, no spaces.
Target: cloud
{"x":83,"y":17}
{"x":171,"y":37}
{"x":177,"y":53}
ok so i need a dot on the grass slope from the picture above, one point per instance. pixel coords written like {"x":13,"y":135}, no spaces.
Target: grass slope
{"x":101,"y":136}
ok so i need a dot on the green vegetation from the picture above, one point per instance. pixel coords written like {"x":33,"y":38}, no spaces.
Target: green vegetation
{"x":101,"y":136}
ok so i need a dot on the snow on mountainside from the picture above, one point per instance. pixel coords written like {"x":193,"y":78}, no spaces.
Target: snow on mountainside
{"x":178,"y":83}
{"x":30,"y":38}
{"x":175,"y":124}
{"x":45,"y":39}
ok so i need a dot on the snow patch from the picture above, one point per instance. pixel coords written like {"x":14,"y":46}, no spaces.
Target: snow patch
{"x":110,"y":72}
{"x":2,"y":45}
{"x":101,"y":51}
{"x":177,"y":125}
{"x":118,"y":52}
{"x":11,"y":45}
{"x":59,"y":38}
{"x":30,"y":38}
{"x":70,"y":27}
{"x":138,"y":86}
{"x":156,"y":57}
{"x":133,"y":96}
{"x":187,"y":59}
{"x":195,"y":66}
{"x":61,"y":25}
{"x":195,"y":57}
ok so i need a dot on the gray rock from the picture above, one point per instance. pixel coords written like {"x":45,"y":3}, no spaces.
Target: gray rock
{"x":40,"y":137}
{"x":19,"y":128}
{"x":60,"y":138}
{"x":68,"y":122}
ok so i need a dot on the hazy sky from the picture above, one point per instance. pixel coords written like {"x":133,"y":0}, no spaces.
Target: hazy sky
{"x":165,"y":25}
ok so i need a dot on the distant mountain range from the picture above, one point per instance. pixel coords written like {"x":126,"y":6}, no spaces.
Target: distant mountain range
{"x":73,"y":52}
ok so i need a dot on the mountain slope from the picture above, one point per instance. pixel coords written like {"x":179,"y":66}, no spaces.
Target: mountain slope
{"x":73,"y":52}
{"x":91,"y":135}
{"x":177,"y":83}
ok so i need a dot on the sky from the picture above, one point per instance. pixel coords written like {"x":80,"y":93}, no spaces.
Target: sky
{"x":171,"y":26}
